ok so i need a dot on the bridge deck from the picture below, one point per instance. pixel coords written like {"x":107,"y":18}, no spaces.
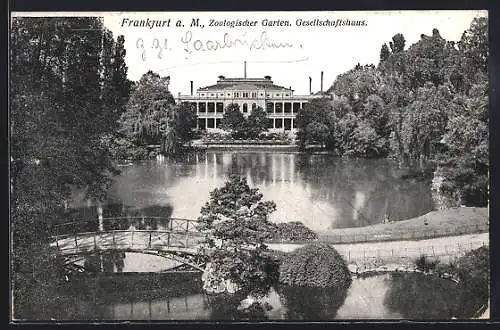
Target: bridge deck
{"x":131,"y":240}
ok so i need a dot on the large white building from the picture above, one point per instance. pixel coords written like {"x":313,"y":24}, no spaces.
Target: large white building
{"x":280,"y":103}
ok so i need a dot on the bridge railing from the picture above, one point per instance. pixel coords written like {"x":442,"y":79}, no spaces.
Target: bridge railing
{"x":125,"y":223}
{"x":127,"y":239}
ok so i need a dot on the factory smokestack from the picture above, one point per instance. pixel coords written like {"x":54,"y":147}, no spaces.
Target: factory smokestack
{"x":310,"y":85}
{"x":321,"y":81}
{"x":191,"y":83}
{"x":245,"y":69}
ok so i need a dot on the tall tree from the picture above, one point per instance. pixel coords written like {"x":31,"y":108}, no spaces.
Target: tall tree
{"x":59,"y":111}
{"x":384,"y":53}
{"x":398,"y":43}
{"x":474,"y":44}
{"x":256,"y":122}
{"x":234,"y":121}
{"x":315,"y":124}
{"x":146,"y":116}
{"x":235,"y":220}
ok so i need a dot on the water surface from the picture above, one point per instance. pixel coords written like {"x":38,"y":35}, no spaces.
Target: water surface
{"x":320,"y":190}
{"x":387,"y":296}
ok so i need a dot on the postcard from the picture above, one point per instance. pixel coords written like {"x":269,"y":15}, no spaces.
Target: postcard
{"x":238,"y":166}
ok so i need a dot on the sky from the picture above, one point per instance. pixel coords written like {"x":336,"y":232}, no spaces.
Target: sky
{"x":202,"y":53}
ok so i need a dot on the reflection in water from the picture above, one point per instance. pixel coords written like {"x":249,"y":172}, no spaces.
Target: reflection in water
{"x":389,"y":296}
{"x":125,"y":262}
{"x":417,"y":296}
{"x":311,"y":303}
{"x":320,"y":190}
{"x":115,"y":216}
{"x":109,"y":262}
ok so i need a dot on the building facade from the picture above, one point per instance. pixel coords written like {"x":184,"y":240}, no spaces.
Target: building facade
{"x":280,"y":103}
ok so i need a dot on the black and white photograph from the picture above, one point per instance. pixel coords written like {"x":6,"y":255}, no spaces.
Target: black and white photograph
{"x":249,"y":166}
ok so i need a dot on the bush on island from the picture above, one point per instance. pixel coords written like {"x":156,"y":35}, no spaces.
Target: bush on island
{"x":314,"y":265}
{"x":294,"y":231}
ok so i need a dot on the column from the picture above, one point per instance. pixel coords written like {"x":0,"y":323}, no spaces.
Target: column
{"x":274,"y":107}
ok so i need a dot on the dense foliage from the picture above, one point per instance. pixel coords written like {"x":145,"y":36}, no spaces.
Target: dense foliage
{"x":239,"y":126}
{"x":425,"y":264}
{"x":68,"y":88}
{"x":294,"y":231}
{"x":474,"y":272}
{"x":236,"y":224}
{"x":151,"y":117}
{"x":314,"y":265}
{"x":427,"y":102}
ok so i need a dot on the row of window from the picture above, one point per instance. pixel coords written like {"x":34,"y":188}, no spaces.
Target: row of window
{"x":286,"y":123}
{"x":286,"y":107}
{"x":244,"y":94}
{"x":217,"y":107}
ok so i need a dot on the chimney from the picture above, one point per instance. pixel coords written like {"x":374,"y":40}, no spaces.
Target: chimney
{"x":310,"y":85}
{"x":245,"y":69}
{"x":191,"y":82}
{"x":321,"y":81}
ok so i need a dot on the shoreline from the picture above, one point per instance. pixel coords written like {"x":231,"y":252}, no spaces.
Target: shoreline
{"x":368,"y":258}
{"x":434,"y":224}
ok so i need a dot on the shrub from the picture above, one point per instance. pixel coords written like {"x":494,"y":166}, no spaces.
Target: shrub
{"x":449,"y":269}
{"x":315,"y":265}
{"x":473,"y":271}
{"x":294,"y":231}
{"x":425,"y":264}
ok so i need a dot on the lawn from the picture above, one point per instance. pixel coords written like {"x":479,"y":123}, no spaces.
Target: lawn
{"x":454,"y":221}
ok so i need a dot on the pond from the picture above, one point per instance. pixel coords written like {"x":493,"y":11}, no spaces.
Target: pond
{"x":320,"y":190}
{"x":151,"y":297}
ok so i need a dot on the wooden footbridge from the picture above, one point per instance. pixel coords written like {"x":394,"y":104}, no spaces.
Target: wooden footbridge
{"x":179,"y":241}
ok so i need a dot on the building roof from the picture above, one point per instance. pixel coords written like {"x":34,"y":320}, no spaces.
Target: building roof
{"x":243,"y":84}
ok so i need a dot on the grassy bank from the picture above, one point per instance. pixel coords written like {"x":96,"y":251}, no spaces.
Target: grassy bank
{"x":454,"y":221}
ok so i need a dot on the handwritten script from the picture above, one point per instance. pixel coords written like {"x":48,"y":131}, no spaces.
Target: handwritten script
{"x":192,"y":44}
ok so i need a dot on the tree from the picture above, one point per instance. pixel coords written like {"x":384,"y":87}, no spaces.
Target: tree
{"x":61,"y":106}
{"x":315,"y":124}
{"x":234,"y":121}
{"x":465,"y":164}
{"x":384,"y":53}
{"x":184,"y":122}
{"x":236,"y":226}
{"x":149,"y":113}
{"x":474,"y":44}
{"x":398,"y":43}
{"x":256,"y":123}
